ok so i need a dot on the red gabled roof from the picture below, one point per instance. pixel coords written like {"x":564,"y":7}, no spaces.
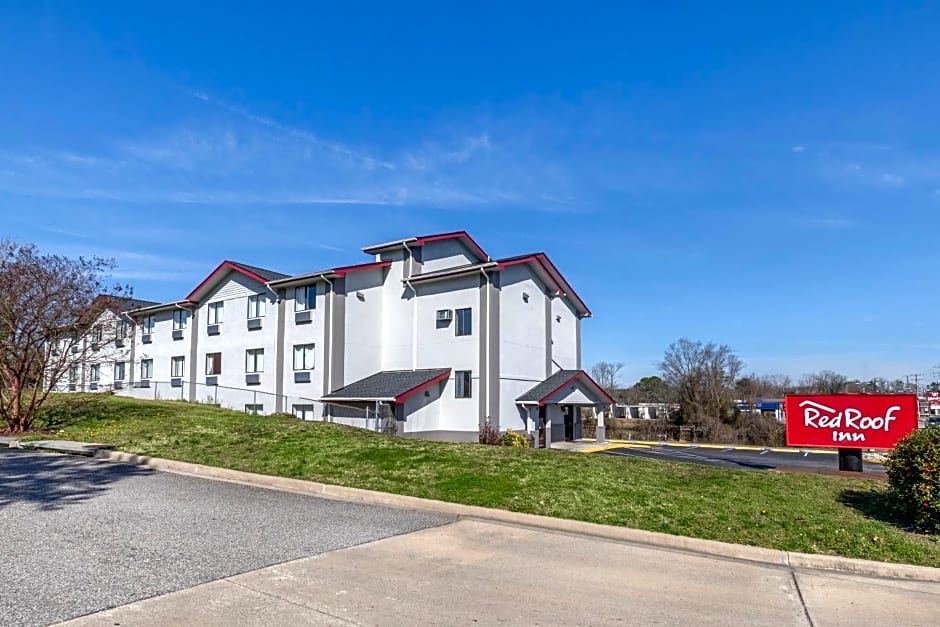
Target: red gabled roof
{"x":468,"y":241}
{"x":401,"y":398}
{"x":541,"y":260}
{"x":579,"y":375}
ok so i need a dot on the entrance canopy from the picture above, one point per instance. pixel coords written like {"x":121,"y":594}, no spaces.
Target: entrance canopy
{"x":567,"y":387}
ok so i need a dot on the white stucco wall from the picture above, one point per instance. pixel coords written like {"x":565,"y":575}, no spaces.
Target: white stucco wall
{"x":161,"y":347}
{"x":564,"y":335}
{"x":522,"y":349}
{"x":442,"y":254}
{"x":397,"y":312}
{"x":235,"y":338}
{"x":363,"y":354}
{"x":304,"y":333}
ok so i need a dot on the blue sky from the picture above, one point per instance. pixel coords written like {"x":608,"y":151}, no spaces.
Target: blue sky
{"x":763,"y":176}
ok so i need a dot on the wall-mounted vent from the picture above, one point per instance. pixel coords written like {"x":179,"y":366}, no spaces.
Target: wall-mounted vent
{"x":176,"y":382}
{"x":213,"y":329}
{"x":303,"y":317}
{"x":177,"y":334}
{"x":253,"y":379}
{"x":254,"y":324}
{"x":445,"y":315}
{"x":146,"y":338}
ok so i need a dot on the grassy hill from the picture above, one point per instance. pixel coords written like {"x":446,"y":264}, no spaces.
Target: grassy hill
{"x":795,"y":512}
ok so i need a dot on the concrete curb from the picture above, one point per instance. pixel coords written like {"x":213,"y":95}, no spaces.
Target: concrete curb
{"x":623,"y":534}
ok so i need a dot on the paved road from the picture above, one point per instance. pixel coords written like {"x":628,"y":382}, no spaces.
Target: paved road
{"x":79,"y":535}
{"x":743,"y":459}
{"x":479,"y":573}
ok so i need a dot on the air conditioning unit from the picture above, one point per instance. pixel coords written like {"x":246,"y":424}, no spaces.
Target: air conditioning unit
{"x":445,"y":315}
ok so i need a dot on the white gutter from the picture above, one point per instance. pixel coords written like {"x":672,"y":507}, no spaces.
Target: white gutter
{"x":329,"y":357}
{"x":486,"y":348}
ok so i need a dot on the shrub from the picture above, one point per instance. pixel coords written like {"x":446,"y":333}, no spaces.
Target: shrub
{"x":511,"y":438}
{"x":490,"y":435}
{"x":914,"y":475}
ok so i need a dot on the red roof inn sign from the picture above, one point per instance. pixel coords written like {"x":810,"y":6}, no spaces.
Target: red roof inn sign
{"x":850,"y":420}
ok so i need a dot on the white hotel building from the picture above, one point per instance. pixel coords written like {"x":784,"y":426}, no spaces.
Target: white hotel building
{"x":431,"y":332}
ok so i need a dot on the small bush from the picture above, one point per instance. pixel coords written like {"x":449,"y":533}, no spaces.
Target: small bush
{"x":914,"y":475}
{"x":511,"y":438}
{"x":490,"y":435}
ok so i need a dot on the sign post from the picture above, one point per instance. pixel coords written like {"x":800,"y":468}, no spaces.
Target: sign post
{"x":850,"y":423}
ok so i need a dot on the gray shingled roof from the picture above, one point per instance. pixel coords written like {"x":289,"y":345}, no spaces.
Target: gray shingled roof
{"x":267,"y":275}
{"x":387,"y":384}
{"x":547,"y":386}
{"x":125,"y":303}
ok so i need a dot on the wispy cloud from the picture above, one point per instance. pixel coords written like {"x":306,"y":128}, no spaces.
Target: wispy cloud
{"x":799,"y":149}
{"x":825,"y":222}
{"x":892,"y":180}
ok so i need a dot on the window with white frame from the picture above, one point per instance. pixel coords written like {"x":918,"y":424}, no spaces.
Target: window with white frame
{"x":215,"y":312}
{"x":146,"y":368}
{"x":213,"y":363}
{"x":177,"y":366}
{"x":122,"y":329}
{"x":96,"y":334}
{"x":305,"y":297}
{"x":256,"y":306}
{"x":146,"y":328}
{"x":73,"y":374}
{"x":119,"y":371}
{"x":304,"y":412}
{"x":463,"y":384}
{"x":94,"y":373}
{"x":254,"y":409}
{"x":180,"y":319}
{"x":254,"y":360}
{"x":464,"y":324}
{"x":303,"y":356}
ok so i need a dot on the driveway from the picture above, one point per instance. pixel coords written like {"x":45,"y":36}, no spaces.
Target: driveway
{"x":80,"y":535}
{"x":746,"y":459}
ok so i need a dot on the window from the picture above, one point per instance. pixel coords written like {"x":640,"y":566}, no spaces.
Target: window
{"x":305,"y":297}
{"x":304,"y":412}
{"x":96,"y":334}
{"x":94,"y":373}
{"x":73,"y":374}
{"x":303,"y":356}
{"x":177,"y":366}
{"x":147,"y":327}
{"x":256,"y":306}
{"x":180,"y":319}
{"x":146,"y":368}
{"x":213,"y":363}
{"x":464,"y":321}
{"x":119,"y":371}
{"x":254,"y":360}
{"x":463,"y":387}
{"x":215,"y":312}
{"x":122,"y":329}
{"x":254,"y":409}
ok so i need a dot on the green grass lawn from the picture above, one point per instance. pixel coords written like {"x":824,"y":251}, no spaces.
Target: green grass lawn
{"x":796,"y":512}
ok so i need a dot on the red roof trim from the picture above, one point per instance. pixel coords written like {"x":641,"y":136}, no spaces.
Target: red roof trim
{"x":469,"y":241}
{"x":568,"y":382}
{"x":225,"y":265}
{"x":544,"y":258}
{"x":401,"y":398}
{"x":534,"y":258}
{"x":344,"y":270}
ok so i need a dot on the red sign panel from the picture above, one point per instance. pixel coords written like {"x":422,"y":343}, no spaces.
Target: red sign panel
{"x":933,"y":399}
{"x":850,"y":420}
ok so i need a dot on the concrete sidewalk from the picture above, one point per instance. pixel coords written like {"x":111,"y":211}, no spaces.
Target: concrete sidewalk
{"x":489,"y":573}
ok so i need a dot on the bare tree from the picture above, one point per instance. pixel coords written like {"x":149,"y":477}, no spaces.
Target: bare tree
{"x":48,"y":324}
{"x":703,"y":376}
{"x":823,"y":382}
{"x":606,"y":375}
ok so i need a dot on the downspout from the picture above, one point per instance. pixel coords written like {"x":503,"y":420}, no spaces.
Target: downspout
{"x":414,"y":308}
{"x":329,"y":357}
{"x":486,"y":348}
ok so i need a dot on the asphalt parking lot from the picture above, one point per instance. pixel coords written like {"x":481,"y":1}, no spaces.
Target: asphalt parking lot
{"x":746,"y":459}
{"x":80,"y":535}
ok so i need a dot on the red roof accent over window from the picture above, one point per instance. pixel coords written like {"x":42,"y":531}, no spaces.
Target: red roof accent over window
{"x":463,"y":235}
{"x":224,"y":266}
{"x":344,"y":270}
{"x":401,"y":398}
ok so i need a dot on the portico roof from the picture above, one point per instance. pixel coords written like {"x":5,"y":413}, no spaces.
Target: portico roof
{"x":542,"y":393}
{"x":389,"y":386}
